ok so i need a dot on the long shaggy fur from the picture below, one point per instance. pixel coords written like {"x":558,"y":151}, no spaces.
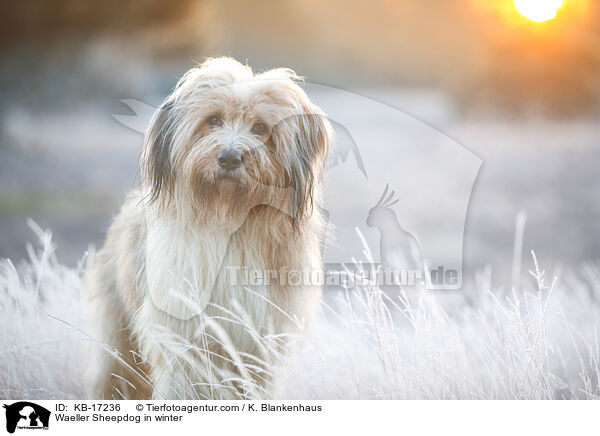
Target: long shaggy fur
{"x":163,"y":275}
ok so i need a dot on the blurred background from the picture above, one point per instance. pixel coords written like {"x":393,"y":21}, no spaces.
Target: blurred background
{"x":521,"y":94}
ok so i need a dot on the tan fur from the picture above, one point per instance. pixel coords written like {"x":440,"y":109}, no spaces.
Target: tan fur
{"x":179,"y":232}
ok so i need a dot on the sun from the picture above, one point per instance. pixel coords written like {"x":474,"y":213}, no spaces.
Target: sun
{"x":538,"y":10}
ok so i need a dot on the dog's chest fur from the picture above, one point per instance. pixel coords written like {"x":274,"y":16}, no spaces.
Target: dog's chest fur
{"x":201,"y":270}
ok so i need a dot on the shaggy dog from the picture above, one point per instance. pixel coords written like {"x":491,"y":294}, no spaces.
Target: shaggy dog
{"x":231,"y":170}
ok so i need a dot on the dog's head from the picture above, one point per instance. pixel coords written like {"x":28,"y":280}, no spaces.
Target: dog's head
{"x":227,"y":139}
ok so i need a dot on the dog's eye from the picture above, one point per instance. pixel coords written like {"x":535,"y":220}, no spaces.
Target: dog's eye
{"x":215,"y":121}
{"x":259,"y":129}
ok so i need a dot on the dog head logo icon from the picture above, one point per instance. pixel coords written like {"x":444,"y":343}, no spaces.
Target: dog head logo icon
{"x":26,"y":415}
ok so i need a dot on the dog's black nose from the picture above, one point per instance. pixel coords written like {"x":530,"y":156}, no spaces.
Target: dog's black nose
{"x":229,"y":159}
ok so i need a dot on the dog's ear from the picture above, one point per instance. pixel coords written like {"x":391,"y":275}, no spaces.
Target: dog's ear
{"x":155,"y":161}
{"x":314,"y":136}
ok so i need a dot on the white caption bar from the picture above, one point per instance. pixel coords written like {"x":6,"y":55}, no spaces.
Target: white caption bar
{"x":294,"y":417}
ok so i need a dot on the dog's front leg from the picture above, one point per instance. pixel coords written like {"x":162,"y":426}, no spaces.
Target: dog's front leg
{"x":167,"y":344}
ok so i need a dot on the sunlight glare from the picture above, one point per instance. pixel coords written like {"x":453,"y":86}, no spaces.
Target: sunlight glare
{"x":538,"y":10}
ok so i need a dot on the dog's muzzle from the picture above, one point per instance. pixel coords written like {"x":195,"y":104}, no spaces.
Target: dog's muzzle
{"x":229,"y":159}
